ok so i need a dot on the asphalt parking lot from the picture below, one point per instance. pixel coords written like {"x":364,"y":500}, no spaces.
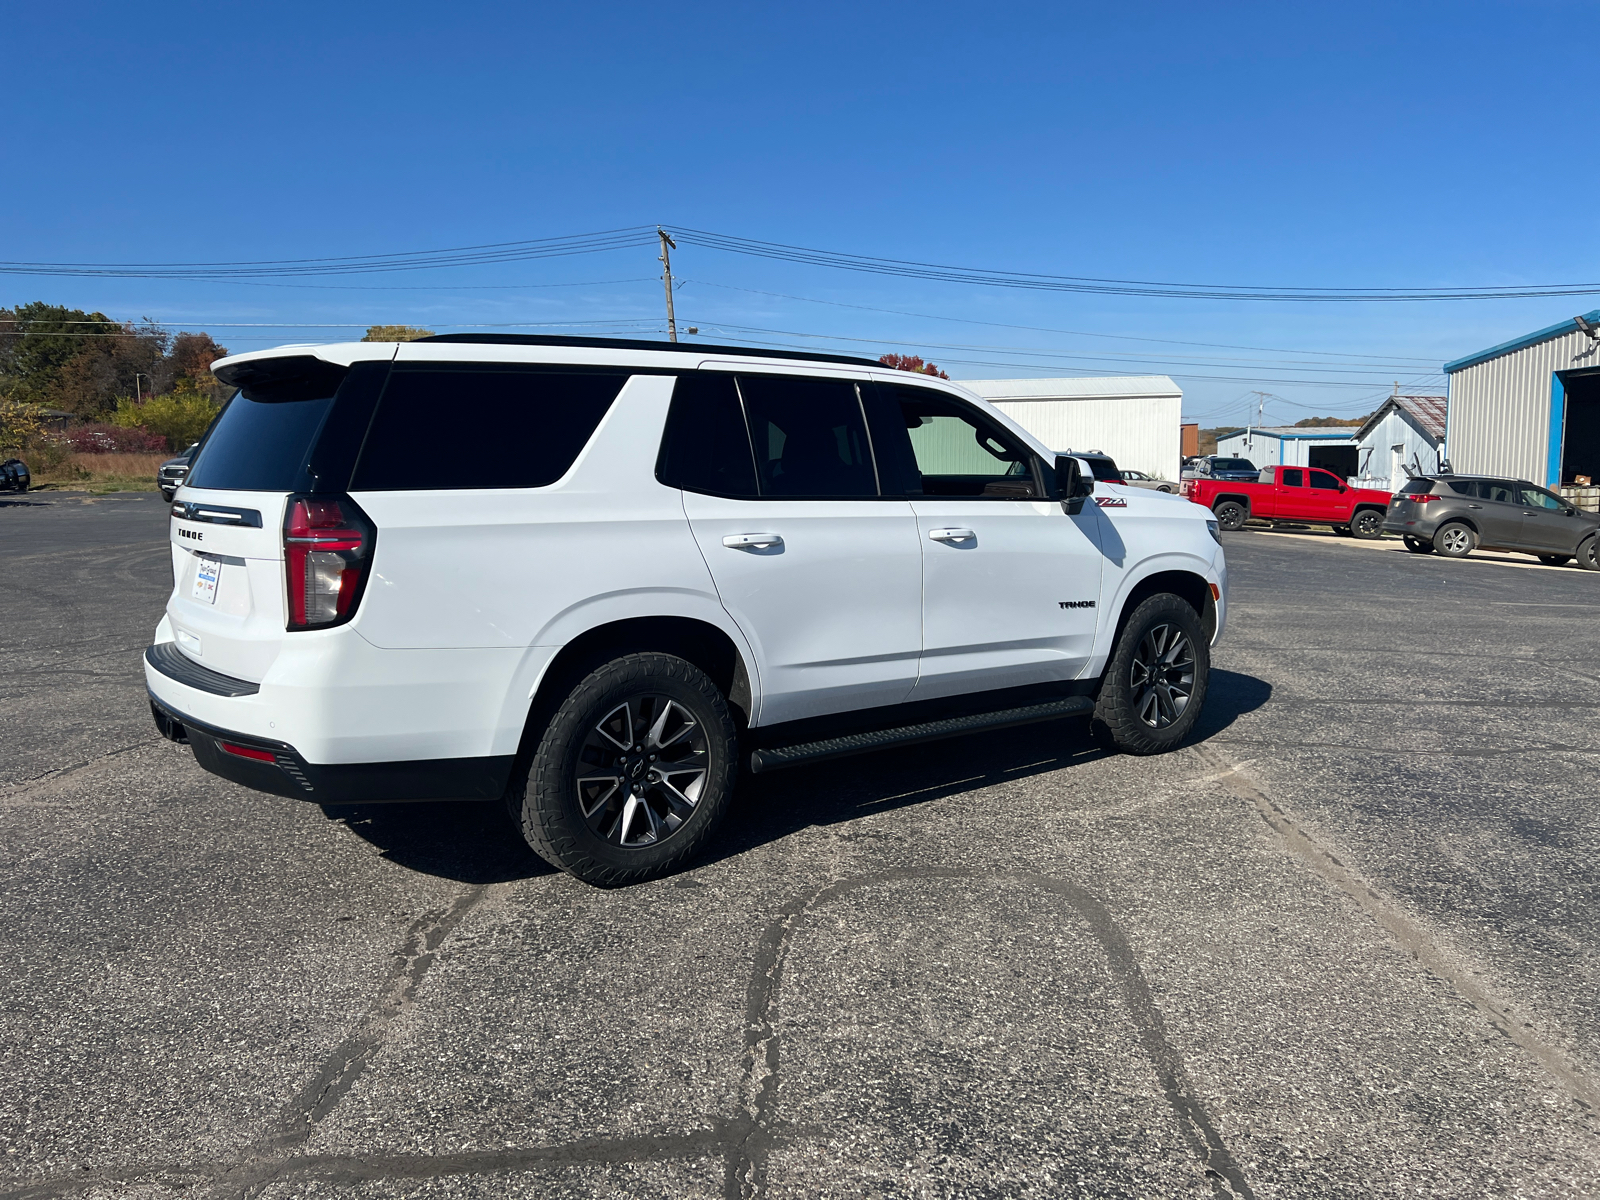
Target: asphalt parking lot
{"x":1344,"y":945}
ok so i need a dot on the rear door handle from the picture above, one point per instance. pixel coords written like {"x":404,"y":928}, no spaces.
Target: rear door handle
{"x":952,"y":535}
{"x":751,"y":541}
{"x":1474,"y":506}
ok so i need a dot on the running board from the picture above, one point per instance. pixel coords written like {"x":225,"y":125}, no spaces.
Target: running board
{"x":805,"y":753}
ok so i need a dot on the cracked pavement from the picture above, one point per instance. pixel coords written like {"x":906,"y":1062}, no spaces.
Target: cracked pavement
{"x":1344,"y":944}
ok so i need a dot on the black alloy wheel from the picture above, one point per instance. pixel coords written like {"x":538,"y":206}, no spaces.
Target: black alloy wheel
{"x":1155,"y":684}
{"x":1555,"y":560}
{"x":1418,"y":545}
{"x":631,"y":773}
{"x":1589,"y":553}
{"x":1367,"y":524}
{"x":1230,"y":515}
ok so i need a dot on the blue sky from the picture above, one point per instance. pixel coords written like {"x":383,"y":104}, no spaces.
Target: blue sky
{"x":1390,"y":145}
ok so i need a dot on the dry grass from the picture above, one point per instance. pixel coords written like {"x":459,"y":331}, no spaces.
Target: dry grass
{"x":102,"y":473}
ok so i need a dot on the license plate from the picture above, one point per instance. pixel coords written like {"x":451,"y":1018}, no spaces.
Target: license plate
{"x":206,"y":573}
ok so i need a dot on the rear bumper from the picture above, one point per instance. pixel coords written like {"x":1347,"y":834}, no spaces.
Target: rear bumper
{"x":278,"y":769}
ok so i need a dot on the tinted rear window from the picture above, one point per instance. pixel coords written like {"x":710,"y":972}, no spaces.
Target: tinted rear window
{"x":1104,"y":470}
{"x":263,"y":439}
{"x":528,"y":425}
{"x":1233,"y":464}
{"x":1419,"y":487}
{"x":1462,"y":487}
{"x":705,"y":447}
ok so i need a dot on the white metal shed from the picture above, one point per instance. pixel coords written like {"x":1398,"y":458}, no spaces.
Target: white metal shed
{"x":1529,"y":408}
{"x":1333,"y":449}
{"x":1136,"y":419}
{"x":1405,"y":431}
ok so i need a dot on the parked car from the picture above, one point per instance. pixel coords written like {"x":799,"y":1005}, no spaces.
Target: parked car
{"x":1303,"y":495}
{"x":1140,"y":480}
{"x":668,"y":566}
{"x":170,"y":475}
{"x":1212,"y":466}
{"x":1454,"y":515}
{"x":15,"y":476}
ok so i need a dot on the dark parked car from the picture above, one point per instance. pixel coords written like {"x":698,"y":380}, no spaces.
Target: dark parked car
{"x":171,"y":475}
{"x":1454,"y":515}
{"x":1230,"y":470}
{"x":14,"y":476}
{"x":1100,"y":463}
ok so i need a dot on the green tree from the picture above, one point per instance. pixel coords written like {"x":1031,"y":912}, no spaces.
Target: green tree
{"x":180,"y":417}
{"x":38,"y":340}
{"x":395,"y":333}
{"x":19,"y":424}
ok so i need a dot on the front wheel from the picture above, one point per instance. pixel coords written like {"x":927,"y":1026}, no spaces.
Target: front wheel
{"x":1418,"y":545}
{"x":632,"y":773}
{"x":1155,"y":683}
{"x":1230,"y":514}
{"x":1368,"y":524}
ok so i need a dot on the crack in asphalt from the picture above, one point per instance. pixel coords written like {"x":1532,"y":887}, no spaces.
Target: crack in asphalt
{"x":1415,"y":751}
{"x":53,"y":779}
{"x":743,"y":1143}
{"x":1406,"y":930}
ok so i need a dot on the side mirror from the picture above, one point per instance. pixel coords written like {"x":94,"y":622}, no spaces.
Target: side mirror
{"x":1074,"y":484}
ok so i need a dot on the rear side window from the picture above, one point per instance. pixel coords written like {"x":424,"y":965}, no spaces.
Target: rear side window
{"x":1498,"y":491}
{"x":1461,"y":487}
{"x":809,"y":437}
{"x":705,"y":447}
{"x":263,"y":439}
{"x":529,"y":423}
{"x":1294,"y":479}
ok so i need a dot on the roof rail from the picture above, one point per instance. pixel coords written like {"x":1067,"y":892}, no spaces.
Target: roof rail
{"x":542,"y":339}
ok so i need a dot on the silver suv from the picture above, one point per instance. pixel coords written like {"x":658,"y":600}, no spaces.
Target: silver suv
{"x":1457,"y":514}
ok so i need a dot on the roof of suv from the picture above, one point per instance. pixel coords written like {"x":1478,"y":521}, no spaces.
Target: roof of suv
{"x":539,"y":339}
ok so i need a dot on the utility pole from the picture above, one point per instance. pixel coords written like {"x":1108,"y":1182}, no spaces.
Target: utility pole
{"x":666,"y":261}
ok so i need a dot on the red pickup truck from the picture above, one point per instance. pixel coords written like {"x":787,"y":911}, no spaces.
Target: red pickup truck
{"x":1304,"y":495}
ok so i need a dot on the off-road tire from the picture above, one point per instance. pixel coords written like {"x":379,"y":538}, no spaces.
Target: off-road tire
{"x":1367,"y":524}
{"x":1117,"y":721}
{"x":1589,"y":553}
{"x":1230,"y":515}
{"x":1455,"y":540}
{"x":1418,"y":545}
{"x":545,"y":802}
{"x":1555,"y":560}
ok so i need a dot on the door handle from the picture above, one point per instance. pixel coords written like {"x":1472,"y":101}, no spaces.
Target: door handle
{"x":1474,"y":506}
{"x":952,"y":535}
{"x":751,"y":541}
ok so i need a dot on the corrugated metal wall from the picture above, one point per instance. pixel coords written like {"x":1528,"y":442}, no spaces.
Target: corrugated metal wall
{"x":1500,"y":409}
{"x":1375,"y":453}
{"x":1140,"y":432}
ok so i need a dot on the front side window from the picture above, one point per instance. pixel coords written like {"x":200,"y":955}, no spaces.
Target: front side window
{"x":1325,"y":481}
{"x":957,"y":453}
{"x":809,"y":437}
{"x":1294,"y":478}
{"x":1539,"y":498}
{"x":530,"y":424}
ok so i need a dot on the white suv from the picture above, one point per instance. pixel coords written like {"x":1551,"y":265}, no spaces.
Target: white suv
{"x":658,"y":564}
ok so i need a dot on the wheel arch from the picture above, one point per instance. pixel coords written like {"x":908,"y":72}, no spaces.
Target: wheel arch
{"x":1188,"y":582}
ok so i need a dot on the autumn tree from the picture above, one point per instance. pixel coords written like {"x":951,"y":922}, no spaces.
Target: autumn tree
{"x":395,"y":333}
{"x":910,"y":362}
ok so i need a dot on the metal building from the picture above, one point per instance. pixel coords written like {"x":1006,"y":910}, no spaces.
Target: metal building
{"x":1332,"y":449}
{"x":1529,"y":408}
{"x":1406,"y":431}
{"x":1133,"y":418}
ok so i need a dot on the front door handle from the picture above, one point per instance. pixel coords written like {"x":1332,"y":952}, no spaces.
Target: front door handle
{"x":952,"y":535}
{"x":752,"y":541}
{"x":1474,"y":506}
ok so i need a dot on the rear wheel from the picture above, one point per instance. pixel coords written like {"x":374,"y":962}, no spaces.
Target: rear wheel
{"x":1589,"y":553}
{"x":1368,"y":524}
{"x":1230,"y":514}
{"x":632,"y":773}
{"x":1455,"y":540}
{"x":1418,"y":545}
{"x":1155,"y":683}
{"x":1555,"y":560}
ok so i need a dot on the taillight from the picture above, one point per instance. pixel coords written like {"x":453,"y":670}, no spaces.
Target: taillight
{"x":327,"y":548}
{"x":254,"y":752}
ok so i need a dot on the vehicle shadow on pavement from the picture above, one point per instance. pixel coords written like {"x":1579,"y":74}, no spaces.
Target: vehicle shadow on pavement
{"x":470,"y":841}
{"x":475,"y":843}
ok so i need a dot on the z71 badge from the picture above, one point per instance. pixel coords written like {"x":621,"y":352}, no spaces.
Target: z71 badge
{"x":1111,"y":502}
